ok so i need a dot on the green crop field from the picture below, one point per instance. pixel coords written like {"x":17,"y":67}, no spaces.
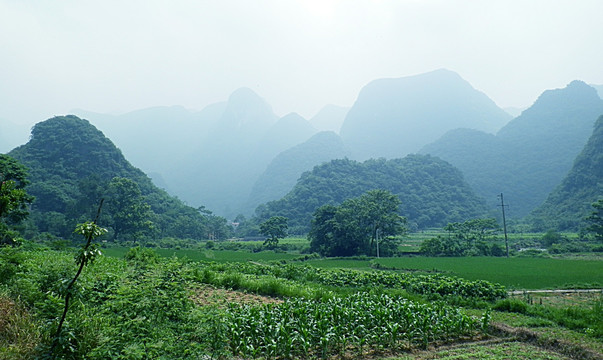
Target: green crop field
{"x":514,"y":273}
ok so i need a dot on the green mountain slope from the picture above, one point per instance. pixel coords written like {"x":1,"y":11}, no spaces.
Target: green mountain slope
{"x":531,"y":154}
{"x":432,"y":192}
{"x":568,"y":205}
{"x":70,"y":164}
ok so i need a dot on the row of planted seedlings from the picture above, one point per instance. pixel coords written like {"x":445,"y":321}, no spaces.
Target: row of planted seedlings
{"x":352,"y":325}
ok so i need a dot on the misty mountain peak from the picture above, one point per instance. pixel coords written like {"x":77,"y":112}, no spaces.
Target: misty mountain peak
{"x":245,"y":98}
{"x":292,"y":117}
{"x":552,"y":104}
{"x":576,"y":90}
{"x":246,"y":109}
{"x":396,"y":116}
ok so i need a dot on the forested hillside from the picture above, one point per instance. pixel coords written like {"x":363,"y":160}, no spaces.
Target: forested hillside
{"x":432,"y":191}
{"x":568,"y":205}
{"x":530,"y":156}
{"x":72,"y":165}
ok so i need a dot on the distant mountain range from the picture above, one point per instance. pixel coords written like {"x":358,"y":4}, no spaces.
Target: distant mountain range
{"x":284,"y":170}
{"x":235,"y":155}
{"x":231,"y":156}
{"x":530,"y":155}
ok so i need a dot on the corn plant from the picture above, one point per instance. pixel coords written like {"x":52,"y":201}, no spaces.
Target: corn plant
{"x":364,"y":321}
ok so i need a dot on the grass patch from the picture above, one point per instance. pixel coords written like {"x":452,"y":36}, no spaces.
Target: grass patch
{"x":488,"y":350}
{"x":19,"y":333}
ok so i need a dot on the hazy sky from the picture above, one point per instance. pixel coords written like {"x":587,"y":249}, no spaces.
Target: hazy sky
{"x":118,"y":56}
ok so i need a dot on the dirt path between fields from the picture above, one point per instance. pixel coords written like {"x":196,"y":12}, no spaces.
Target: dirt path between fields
{"x":555,"y":291}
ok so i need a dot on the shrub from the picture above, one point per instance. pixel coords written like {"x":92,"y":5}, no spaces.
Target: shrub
{"x":142,"y":256}
{"x":511,"y":305}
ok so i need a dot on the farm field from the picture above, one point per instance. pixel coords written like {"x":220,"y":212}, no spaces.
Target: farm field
{"x":513,"y":273}
{"x":146,"y":303}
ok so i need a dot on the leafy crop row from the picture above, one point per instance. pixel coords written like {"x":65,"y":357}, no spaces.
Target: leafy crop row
{"x":419,"y":284}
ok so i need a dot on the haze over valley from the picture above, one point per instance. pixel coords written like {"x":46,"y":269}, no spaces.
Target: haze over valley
{"x":301,"y":179}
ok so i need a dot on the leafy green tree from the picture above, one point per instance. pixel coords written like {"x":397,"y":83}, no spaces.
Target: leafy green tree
{"x":432,"y":247}
{"x":472,"y":237}
{"x":14,"y":200}
{"x":323,"y":233}
{"x":359,"y":226}
{"x":552,"y":237}
{"x":130,"y":213}
{"x":378,"y":211}
{"x":275,"y":228}
{"x":596,"y":220}
{"x":217,"y":227}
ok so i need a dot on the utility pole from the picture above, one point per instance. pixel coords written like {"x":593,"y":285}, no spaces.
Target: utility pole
{"x":502,"y":205}
{"x":377,"y":236}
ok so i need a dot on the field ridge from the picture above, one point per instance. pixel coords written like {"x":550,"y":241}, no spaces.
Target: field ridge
{"x":525,"y":335}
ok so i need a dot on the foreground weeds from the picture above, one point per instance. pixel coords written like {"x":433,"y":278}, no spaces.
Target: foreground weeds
{"x":19,"y":333}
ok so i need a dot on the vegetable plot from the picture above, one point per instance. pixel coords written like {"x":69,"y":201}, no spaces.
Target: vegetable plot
{"x":344,"y":278}
{"x":357,"y":323}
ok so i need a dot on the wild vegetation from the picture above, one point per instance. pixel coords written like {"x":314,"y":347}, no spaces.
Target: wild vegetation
{"x":14,"y":200}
